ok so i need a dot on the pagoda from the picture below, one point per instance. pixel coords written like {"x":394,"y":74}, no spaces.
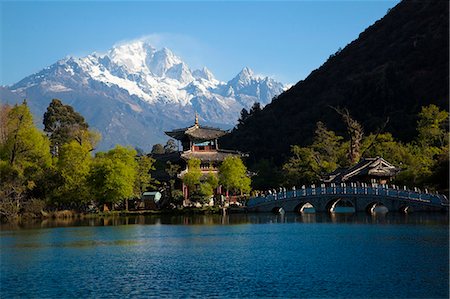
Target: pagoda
{"x":201,"y":142}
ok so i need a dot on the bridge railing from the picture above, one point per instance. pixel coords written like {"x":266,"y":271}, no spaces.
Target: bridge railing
{"x":393,"y":191}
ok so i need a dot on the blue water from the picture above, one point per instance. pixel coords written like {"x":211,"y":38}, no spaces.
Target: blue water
{"x":234,"y":256}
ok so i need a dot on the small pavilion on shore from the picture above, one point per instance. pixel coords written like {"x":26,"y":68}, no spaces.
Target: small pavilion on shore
{"x":368,"y":170}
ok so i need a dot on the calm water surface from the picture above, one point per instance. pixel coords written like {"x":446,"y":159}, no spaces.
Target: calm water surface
{"x":232,"y":256}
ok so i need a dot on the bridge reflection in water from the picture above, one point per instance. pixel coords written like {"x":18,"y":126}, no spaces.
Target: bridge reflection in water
{"x":349,"y":198}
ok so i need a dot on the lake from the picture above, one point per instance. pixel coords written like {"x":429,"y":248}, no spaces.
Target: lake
{"x":248,"y":255}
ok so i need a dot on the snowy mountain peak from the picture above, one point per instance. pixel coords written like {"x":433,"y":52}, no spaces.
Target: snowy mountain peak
{"x":132,"y":56}
{"x":161,"y":61}
{"x":243,"y":78}
{"x":204,"y":73}
{"x":246,"y":72}
{"x":180,"y":72}
{"x":141,"y":91}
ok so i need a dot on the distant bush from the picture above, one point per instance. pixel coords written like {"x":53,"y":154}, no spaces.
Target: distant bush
{"x":34,"y":207}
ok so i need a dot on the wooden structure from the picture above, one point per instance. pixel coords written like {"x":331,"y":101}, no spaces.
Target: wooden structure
{"x":149,"y":201}
{"x":199,"y":142}
{"x":368,"y":170}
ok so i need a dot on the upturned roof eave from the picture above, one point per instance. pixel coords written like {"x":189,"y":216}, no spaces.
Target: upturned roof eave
{"x":197,"y":132}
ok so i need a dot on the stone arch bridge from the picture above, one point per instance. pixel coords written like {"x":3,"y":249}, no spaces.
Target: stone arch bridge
{"x":349,"y":198}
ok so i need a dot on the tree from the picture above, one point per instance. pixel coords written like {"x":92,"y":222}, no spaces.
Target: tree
{"x":418,"y":166}
{"x":172,"y":170}
{"x":145,"y":165}
{"x":327,"y":148}
{"x":243,"y":117}
{"x":113,"y":175}
{"x":158,"y":149}
{"x":301,"y":167}
{"x":255,"y":109}
{"x":4,"y":111}
{"x":24,"y":143}
{"x":440,"y":172}
{"x":207,"y":186}
{"x":356,"y":134}
{"x":311,"y":163}
{"x":87,"y":138}
{"x":432,"y":126}
{"x":170,"y":146}
{"x":63,"y":124}
{"x":192,"y":180}
{"x":268,"y":175}
{"x":233,"y":175}
{"x":212,"y":180}
{"x":24,"y":155}
{"x":193,"y":175}
{"x":384,"y":145}
{"x":428,"y":156}
{"x":73,"y":166}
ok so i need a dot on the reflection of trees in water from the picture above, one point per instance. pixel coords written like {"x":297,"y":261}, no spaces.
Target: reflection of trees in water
{"x":232,"y":219}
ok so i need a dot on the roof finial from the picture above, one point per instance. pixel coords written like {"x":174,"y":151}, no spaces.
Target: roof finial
{"x":196,"y":119}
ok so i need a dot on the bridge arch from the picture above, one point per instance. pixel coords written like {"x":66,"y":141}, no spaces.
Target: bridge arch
{"x":305,"y":207}
{"x":278,"y":210}
{"x":406,"y":209}
{"x":376,"y":207}
{"x":340,"y":205}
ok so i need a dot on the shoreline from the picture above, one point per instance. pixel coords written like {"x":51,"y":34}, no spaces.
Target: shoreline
{"x":71,"y":214}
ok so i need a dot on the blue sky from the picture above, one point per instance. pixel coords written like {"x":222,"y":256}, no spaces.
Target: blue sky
{"x":286,"y":40}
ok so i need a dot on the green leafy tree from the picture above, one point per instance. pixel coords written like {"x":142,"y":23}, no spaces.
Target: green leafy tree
{"x":426,"y":156}
{"x":172,"y":170}
{"x":384,"y":145}
{"x":145,"y":165}
{"x":212,"y":180}
{"x":192,"y":180}
{"x":24,"y":156}
{"x":63,"y":124}
{"x":193,"y":175}
{"x":311,"y":163}
{"x":206,"y":189}
{"x":89,"y":138}
{"x":233,"y":175}
{"x":177,"y":197}
{"x":113,"y":175}
{"x":73,"y":165}
{"x":204,"y":192}
{"x":24,"y":144}
{"x":327,"y":148}
{"x":432,"y":126}
{"x":301,"y":168}
{"x":267,"y":175}
{"x":418,"y":166}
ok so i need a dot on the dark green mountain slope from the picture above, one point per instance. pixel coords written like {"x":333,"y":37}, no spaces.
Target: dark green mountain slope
{"x":397,"y":65}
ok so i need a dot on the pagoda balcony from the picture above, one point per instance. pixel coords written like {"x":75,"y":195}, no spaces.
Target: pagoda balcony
{"x":203,"y":148}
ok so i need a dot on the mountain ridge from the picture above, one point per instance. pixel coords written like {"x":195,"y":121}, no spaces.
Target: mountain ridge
{"x":395,"y":66}
{"x":134,"y":92}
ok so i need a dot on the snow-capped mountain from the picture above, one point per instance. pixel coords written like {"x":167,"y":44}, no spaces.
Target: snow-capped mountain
{"x":134,"y":92}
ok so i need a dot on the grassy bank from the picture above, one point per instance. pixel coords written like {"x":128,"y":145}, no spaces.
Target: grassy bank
{"x":72,"y":214}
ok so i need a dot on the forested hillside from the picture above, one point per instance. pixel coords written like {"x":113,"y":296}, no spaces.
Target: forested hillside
{"x":393,"y":68}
